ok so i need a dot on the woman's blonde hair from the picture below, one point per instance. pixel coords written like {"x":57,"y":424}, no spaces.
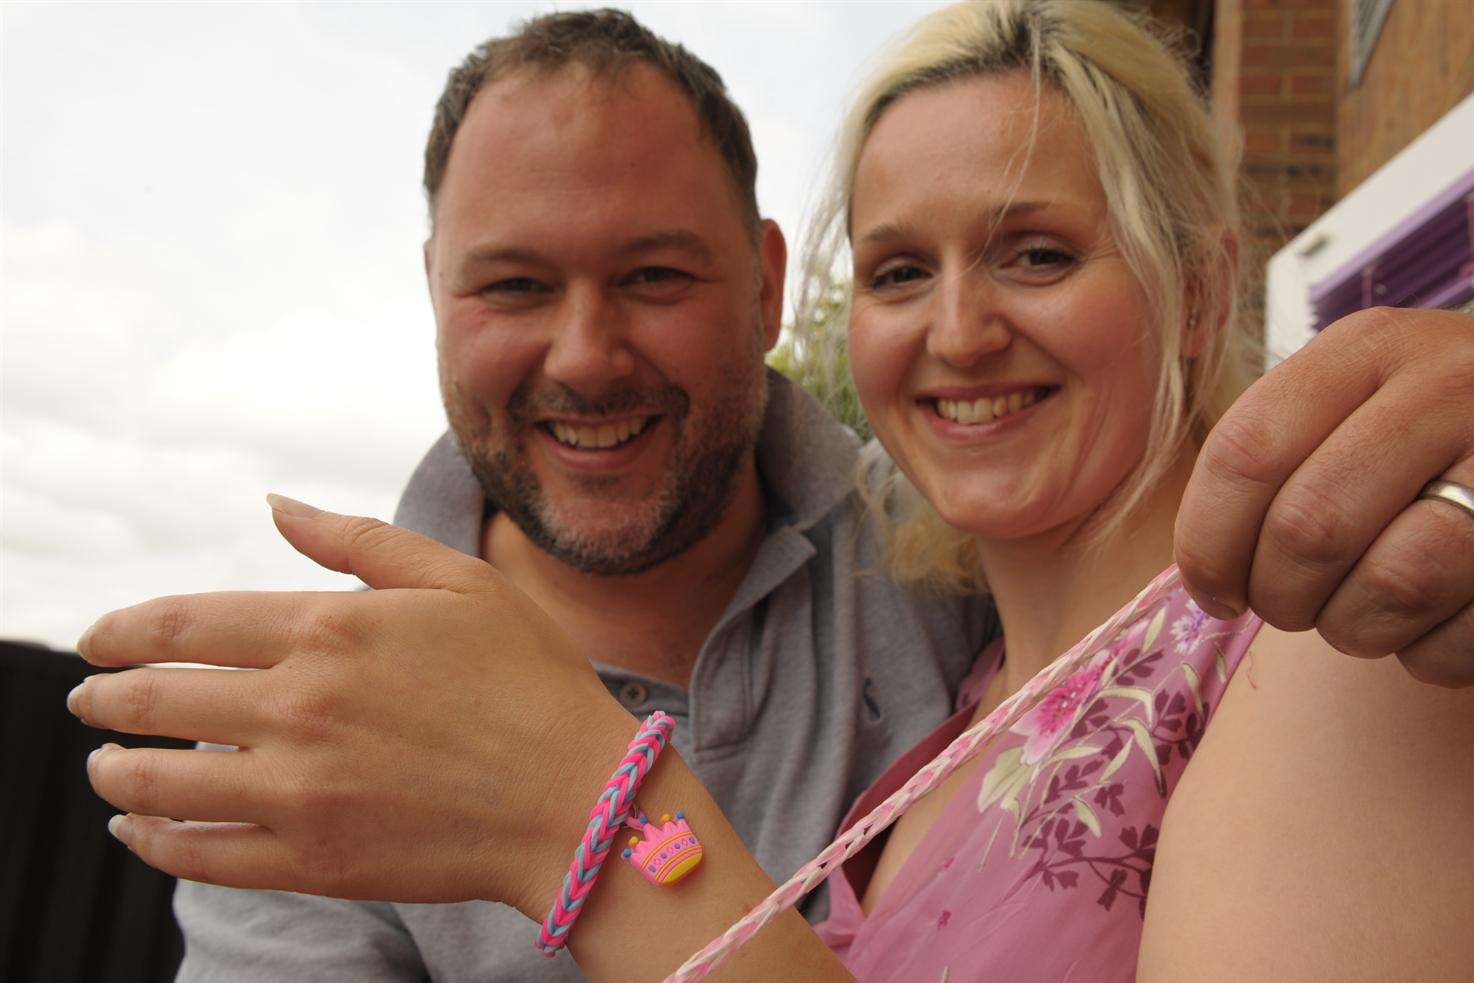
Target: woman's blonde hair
{"x":1169,"y":175}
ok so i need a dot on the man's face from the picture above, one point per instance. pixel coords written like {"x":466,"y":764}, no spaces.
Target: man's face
{"x":602,"y":314}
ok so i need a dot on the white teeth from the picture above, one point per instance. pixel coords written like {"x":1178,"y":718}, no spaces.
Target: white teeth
{"x":988,"y":409}
{"x":597,"y":436}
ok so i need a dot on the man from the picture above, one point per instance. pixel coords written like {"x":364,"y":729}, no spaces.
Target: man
{"x":604,"y":291}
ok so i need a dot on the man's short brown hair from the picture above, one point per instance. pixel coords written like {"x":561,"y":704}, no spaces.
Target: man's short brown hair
{"x":600,"y":40}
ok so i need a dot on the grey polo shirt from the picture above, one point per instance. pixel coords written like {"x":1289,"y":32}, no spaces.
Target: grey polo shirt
{"x":819,"y":673}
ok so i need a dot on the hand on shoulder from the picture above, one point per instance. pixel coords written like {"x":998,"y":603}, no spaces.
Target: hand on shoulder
{"x":1323,"y":830}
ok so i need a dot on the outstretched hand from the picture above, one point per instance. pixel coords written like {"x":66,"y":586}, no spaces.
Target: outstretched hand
{"x":1304,"y":502}
{"x":434,"y":739}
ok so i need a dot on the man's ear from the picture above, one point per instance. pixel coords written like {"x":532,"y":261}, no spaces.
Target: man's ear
{"x":1210,"y":294}
{"x":773,"y":260}
{"x":428,"y":251}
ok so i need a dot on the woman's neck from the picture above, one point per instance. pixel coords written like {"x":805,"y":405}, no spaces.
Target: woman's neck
{"x":1050,"y":591}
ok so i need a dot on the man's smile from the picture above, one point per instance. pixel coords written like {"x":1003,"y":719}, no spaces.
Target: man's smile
{"x":601,"y":435}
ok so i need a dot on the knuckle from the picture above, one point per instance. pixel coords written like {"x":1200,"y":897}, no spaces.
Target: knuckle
{"x":167,"y":624}
{"x":307,"y":713}
{"x":140,"y":783}
{"x":142,"y":693}
{"x":362,"y":533}
{"x":330,"y":629}
{"x":1308,"y":526}
{"x":1201,"y":567}
{"x":1402,"y":587}
{"x":1242,"y":447}
{"x":188,"y":861}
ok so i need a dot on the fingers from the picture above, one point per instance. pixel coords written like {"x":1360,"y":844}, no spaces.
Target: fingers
{"x":1416,"y":577}
{"x":208,"y":705}
{"x":1262,"y":439}
{"x":1443,"y":656}
{"x":1362,"y":478}
{"x":381,"y":555}
{"x":247,"y":630}
{"x":210,"y":786}
{"x":231,"y":855}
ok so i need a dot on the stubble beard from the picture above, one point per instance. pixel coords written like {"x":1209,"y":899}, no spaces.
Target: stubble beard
{"x":707,"y":453}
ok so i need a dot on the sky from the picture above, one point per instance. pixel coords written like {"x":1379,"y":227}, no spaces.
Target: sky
{"x":210,"y":273}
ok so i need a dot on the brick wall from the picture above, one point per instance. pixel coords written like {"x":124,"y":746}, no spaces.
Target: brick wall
{"x":1422,"y":65}
{"x":1275,"y":71}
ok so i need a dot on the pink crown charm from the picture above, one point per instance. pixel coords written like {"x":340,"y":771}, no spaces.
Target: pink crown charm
{"x":668,"y":852}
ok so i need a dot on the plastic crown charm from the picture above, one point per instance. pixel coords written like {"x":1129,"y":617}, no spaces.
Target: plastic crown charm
{"x":667,"y":853}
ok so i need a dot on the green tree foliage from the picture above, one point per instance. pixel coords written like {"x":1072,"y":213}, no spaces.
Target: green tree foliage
{"x":813,"y":354}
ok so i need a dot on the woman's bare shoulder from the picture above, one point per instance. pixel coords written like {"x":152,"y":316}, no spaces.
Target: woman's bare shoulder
{"x":1324,"y":828}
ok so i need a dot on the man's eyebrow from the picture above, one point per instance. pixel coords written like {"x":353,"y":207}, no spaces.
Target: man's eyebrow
{"x":499,"y":254}
{"x":892,"y":231}
{"x":682,"y":239}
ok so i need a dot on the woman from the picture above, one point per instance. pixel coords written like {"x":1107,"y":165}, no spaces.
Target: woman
{"x":1040,"y":359}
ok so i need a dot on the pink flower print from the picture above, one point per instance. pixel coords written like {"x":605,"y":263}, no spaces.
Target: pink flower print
{"x":1051,"y":718}
{"x":1126,"y":642}
{"x":1190,"y":627}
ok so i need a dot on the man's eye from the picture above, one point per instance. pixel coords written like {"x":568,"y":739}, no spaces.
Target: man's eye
{"x":651,"y":275}
{"x":895,"y":276}
{"x":514,"y":285}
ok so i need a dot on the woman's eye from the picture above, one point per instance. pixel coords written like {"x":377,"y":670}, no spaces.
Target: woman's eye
{"x":1043,"y":257}
{"x":895,"y":276}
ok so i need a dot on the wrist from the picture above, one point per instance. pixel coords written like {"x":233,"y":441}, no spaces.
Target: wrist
{"x":582,"y":751}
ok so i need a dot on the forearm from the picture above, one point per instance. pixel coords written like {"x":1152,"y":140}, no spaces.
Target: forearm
{"x":632,"y":930}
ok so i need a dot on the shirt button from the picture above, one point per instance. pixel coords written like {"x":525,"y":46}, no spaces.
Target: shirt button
{"x":633,"y":694}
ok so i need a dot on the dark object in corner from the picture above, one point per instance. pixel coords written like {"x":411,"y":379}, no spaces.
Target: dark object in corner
{"x":75,"y":905}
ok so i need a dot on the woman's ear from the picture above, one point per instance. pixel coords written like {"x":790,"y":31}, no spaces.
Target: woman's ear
{"x":1210,"y":293}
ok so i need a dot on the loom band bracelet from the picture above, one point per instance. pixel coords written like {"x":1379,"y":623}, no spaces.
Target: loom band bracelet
{"x":606,"y":818}
{"x":666,"y":852}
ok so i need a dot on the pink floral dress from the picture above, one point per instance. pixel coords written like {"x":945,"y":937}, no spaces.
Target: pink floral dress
{"x":1038,"y":867}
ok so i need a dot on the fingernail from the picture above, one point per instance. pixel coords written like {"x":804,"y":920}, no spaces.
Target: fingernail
{"x":1217,"y":609}
{"x":74,"y":699}
{"x":290,"y":506}
{"x":86,"y":637}
{"x":118,"y":826}
{"x":98,"y":751}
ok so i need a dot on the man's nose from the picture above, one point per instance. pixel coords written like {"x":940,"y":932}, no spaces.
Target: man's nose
{"x":589,"y":348}
{"x":967,"y":319}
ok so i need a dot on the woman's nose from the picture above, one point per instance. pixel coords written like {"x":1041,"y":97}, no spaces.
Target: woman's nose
{"x":968,"y":322}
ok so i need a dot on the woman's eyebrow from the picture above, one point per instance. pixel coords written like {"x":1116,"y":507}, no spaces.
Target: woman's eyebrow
{"x":893,"y":231}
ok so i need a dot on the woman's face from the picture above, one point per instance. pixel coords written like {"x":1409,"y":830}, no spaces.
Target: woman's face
{"x":997,"y":337}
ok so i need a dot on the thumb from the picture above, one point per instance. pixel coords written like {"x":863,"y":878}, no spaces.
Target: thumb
{"x":381,"y":555}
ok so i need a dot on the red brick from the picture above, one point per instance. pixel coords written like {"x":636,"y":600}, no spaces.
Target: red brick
{"x":1289,"y":57}
{"x":1312,"y":86}
{"x":1263,"y":142}
{"x":1296,"y":114}
{"x":1288,"y":4}
{"x":1262,"y":85}
{"x":1270,"y":25}
{"x":1313,"y":25}
{"x":1310,"y":143}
